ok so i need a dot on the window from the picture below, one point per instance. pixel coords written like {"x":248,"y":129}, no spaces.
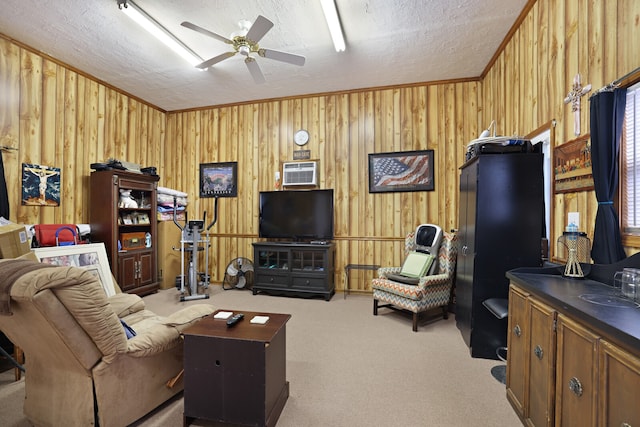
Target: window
{"x":630,"y":164}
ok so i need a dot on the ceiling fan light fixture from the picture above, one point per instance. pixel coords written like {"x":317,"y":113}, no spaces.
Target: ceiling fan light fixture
{"x":142,"y":18}
{"x":333,"y":22}
{"x":246,"y":45}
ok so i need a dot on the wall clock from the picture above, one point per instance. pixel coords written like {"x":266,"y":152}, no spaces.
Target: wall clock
{"x":301,"y":137}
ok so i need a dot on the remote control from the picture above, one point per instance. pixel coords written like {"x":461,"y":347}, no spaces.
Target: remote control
{"x":234,"y":319}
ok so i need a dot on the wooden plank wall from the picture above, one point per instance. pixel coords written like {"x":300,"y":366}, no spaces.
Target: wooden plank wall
{"x":526,"y":86}
{"x":58,"y":116}
{"x":344,"y":128}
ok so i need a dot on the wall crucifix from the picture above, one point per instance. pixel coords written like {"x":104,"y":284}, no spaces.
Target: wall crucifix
{"x":573,"y":97}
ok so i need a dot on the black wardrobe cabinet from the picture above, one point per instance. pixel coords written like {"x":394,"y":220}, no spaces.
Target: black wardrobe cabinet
{"x":501,"y":222}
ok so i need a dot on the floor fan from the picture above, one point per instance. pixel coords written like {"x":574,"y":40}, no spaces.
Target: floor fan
{"x":238,"y":274}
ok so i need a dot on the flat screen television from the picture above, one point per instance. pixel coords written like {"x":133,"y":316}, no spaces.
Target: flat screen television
{"x":298,"y":215}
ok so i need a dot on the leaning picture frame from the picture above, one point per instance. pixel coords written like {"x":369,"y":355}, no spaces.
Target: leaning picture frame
{"x":91,"y":257}
{"x":401,"y":171}
{"x":219,"y":179}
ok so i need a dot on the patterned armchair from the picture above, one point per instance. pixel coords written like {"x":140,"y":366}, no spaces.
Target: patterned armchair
{"x":430,"y":292}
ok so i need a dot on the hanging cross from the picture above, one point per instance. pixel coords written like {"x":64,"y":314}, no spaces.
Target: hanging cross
{"x":573,"y":97}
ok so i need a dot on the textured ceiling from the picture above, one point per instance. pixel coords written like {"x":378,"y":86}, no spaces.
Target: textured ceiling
{"x":389,"y":42}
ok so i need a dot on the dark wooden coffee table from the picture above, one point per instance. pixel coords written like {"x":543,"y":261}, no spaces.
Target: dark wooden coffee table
{"x":236,"y":374}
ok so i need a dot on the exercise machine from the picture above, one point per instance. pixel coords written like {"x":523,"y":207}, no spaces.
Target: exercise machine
{"x":193,"y":239}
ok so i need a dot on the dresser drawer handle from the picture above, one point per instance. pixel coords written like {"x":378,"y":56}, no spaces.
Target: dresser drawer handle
{"x":517,"y":330}
{"x":575,"y":386}
{"x":538,"y":352}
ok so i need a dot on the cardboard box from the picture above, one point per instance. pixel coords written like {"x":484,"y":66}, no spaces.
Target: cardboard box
{"x":14,"y":241}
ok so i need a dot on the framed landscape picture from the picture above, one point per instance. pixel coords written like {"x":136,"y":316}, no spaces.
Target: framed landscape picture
{"x":401,"y":171}
{"x":219,"y":179}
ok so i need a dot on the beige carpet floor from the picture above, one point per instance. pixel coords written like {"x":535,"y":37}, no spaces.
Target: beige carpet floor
{"x":347,"y":367}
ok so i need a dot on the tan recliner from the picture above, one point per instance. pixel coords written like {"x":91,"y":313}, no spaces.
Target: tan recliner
{"x":81,"y":370}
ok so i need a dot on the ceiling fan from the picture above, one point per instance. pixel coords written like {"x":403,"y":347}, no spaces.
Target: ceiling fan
{"x":245,"y":42}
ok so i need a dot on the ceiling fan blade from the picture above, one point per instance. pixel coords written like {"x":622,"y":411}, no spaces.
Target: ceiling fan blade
{"x":282,"y":56}
{"x":201,"y":30}
{"x":209,"y":62}
{"x":254,"y":69}
{"x":260,"y":27}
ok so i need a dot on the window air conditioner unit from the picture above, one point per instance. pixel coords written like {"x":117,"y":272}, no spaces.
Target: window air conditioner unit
{"x":299,"y":173}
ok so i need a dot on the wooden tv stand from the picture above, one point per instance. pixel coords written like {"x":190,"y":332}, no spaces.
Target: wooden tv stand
{"x":294,"y":269}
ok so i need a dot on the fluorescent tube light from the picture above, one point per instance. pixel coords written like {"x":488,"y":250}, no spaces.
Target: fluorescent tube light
{"x":143,"y":19}
{"x":331,"y":15}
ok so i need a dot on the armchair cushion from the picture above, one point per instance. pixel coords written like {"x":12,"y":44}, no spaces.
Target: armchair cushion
{"x":403,"y":279}
{"x":156,"y":333}
{"x":426,"y":284}
{"x":152,"y":336}
{"x":125,"y":304}
{"x":416,"y":264}
{"x":181,"y":319}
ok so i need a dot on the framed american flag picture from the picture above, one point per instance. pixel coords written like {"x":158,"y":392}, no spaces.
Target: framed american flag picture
{"x":401,"y":171}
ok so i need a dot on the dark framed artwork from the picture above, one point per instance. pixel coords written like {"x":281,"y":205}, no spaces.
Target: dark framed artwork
{"x":40,"y":185}
{"x":572,"y":166}
{"x":219,"y":179}
{"x":401,"y":171}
